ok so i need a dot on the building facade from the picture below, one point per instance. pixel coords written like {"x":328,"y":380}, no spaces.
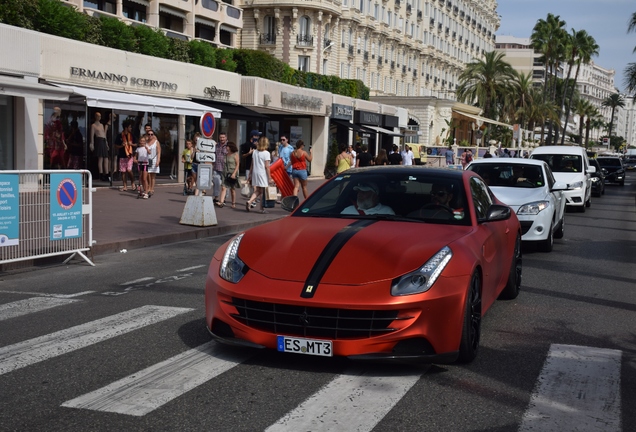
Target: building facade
{"x":409,"y":48}
{"x":521,"y":56}
{"x":216,"y":22}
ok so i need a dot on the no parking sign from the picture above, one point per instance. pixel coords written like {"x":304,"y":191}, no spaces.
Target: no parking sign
{"x":65,"y":206}
{"x":207,"y":124}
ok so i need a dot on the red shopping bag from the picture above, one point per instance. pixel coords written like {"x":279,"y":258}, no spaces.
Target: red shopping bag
{"x":281,"y":178}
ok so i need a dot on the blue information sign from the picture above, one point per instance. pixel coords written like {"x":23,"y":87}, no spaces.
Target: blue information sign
{"x":66,"y":206}
{"x":9,"y":210}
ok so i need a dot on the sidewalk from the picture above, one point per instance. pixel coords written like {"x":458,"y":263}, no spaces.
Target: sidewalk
{"x":121,"y":221}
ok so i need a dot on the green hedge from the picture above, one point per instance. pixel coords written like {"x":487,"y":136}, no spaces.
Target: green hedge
{"x":54,"y":17}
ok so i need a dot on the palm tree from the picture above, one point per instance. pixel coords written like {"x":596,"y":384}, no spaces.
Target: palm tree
{"x":583,"y":47}
{"x":597,"y":123}
{"x":548,"y":37}
{"x":630,"y":70}
{"x":580,"y":49}
{"x":483,"y":80}
{"x":521,"y":97}
{"x":593,"y":118}
{"x":613,"y":101}
{"x":583,"y":108}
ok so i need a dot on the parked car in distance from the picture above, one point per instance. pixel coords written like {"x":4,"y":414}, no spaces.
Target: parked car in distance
{"x":384,"y":263}
{"x":598,"y":178}
{"x":530,"y":189}
{"x":570,"y":165}
{"x":629,"y":163}
{"x":614,"y":167}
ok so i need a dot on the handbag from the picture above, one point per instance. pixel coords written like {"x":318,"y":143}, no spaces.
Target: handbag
{"x":229,"y":180}
{"x":245,"y":190}
{"x":271,"y":193}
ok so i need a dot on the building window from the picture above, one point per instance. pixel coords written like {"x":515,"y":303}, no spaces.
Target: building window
{"x":134,"y":11}
{"x":303,"y":63}
{"x":7,"y":146}
{"x":206,"y":32}
{"x":171,"y":22}
{"x":210,"y":4}
{"x":102,"y":5}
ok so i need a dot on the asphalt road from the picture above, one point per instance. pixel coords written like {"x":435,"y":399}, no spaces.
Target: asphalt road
{"x":123,"y":346}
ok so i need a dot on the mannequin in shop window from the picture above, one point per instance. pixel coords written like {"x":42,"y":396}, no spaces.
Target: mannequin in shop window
{"x":99,"y":145}
{"x":54,"y":138}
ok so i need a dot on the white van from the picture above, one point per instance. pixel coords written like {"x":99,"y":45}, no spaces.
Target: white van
{"x":569,"y":165}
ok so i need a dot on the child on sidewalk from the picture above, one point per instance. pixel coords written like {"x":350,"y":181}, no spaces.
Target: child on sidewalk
{"x":141,"y":159}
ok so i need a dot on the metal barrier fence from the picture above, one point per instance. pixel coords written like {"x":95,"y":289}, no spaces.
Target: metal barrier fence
{"x":38,"y":222}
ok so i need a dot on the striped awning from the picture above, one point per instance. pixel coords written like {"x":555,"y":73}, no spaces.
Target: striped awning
{"x":172,"y":12}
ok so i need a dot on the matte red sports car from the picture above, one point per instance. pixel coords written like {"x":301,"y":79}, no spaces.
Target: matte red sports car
{"x":380,"y":263}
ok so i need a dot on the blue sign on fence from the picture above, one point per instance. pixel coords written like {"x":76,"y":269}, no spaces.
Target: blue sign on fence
{"x":66,"y":206}
{"x":9,"y":210}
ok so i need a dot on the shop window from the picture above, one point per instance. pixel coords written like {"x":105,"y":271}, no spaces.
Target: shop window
{"x":65,"y":145}
{"x":7,"y":146}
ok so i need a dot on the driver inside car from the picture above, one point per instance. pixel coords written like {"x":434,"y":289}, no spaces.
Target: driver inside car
{"x":367,"y":201}
{"x":440,"y":205}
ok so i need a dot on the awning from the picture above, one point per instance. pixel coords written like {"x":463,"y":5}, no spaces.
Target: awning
{"x":235,"y":112}
{"x":483,"y":119}
{"x":135,"y":102}
{"x":353,"y":126}
{"x":205,"y":22}
{"x":228,"y":28}
{"x":384,"y":131}
{"x":141,"y":2}
{"x":173,"y":12}
{"x":12,"y":86}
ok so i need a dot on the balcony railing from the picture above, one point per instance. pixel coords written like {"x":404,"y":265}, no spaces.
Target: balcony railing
{"x":419,"y":15}
{"x":392,"y":64}
{"x":414,"y":73}
{"x":268,"y":39}
{"x":432,"y":22}
{"x":397,"y":4}
{"x":403,"y":69}
{"x":304,"y":40}
{"x":408,"y":8}
{"x":380,"y":61}
{"x":350,"y":50}
{"x":366,"y":56}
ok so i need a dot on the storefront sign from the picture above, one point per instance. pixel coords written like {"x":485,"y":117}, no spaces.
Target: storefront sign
{"x":66,"y":206}
{"x":112,"y":78}
{"x":217,"y":94}
{"x":365,"y":117}
{"x":9,"y":210}
{"x":296,"y":101}
{"x":341,"y":112}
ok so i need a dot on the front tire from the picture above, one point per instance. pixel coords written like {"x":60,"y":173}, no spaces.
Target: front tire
{"x":561,"y":230}
{"x":471,"y":329}
{"x":547,"y":244}
{"x":512,"y":288}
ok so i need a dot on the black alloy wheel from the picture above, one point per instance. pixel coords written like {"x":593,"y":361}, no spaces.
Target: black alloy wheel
{"x":471,"y":329}
{"x":512,"y":288}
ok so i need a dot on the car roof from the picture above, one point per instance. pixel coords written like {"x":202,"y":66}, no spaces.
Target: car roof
{"x":445,"y":173}
{"x":510,"y":161}
{"x":570,"y":150}
{"x":608,"y":157}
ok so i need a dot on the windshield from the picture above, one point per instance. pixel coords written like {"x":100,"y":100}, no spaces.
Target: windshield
{"x":609,"y":162}
{"x":510,"y":175}
{"x":390,"y":196}
{"x":561,"y":163}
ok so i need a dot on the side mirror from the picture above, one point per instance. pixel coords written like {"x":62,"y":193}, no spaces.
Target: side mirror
{"x":498,"y":212}
{"x":604,"y":171}
{"x":289,"y":203}
{"x":591,"y":169}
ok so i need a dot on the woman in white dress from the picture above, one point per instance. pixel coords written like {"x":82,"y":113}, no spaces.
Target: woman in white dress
{"x":260,"y":176}
{"x":154,"y":159}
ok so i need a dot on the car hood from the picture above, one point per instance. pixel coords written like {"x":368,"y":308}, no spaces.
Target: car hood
{"x":515,"y":197}
{"x":569,"y":177}
{"x":612,"y":168}
{"x":290,"y":248}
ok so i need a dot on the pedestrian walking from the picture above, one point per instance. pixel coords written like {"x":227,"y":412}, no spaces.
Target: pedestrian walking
{"x":154,"y":160}
{"x":260,"y":176}
{"x":141,"y":159}
{"x":230,"y":174}
{"x":344,"y":160}
{"x":125,"y":155}
{"x":220,"y":150}
{"x":299,"y":160}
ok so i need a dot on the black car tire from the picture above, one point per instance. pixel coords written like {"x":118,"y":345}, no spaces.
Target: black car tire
{"x":561,"y":230}
{"x":588,"y":203}
{"x":547,"y":244}
{"x":622,"y":183}
{"x":512,"y":288}
{"x":471,"y":328}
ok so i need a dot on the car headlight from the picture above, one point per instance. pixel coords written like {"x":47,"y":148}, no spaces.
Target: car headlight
{"x":575,"y":185}
{"x":232,"y":268}
{"x":533,"y":208}
{"x":423,"y":278}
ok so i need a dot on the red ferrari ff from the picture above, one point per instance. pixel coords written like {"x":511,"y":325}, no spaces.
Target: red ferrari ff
{"x":379,"y":263}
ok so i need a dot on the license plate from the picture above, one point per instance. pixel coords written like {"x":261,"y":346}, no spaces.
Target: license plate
{"x":305,"y":346}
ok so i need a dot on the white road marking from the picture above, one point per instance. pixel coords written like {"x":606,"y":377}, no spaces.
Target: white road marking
{"x":31,"y":305}
{"x":137,"y":281}
{"x":351,"y":402}
{"x":35,"y":350}
{"x":149,"y":389}
{"x":192,"y":268}
{"x":62,"y":296}
{"x":578,"y":389}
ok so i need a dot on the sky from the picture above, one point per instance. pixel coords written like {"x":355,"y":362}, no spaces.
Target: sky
{"x":605,"y":20}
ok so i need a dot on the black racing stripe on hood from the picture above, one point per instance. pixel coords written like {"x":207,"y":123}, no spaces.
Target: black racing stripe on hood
{"x":329,"y":253}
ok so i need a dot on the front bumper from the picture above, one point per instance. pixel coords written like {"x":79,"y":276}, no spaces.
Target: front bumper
{"x":427,"y":327}
{"x":536,"y":227}
{"x":575,"y":198}
{"x":615,"y":177}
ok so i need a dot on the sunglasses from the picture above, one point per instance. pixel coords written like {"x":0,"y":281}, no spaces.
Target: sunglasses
{"x":150,"y":134}
{"x":283,"y":139}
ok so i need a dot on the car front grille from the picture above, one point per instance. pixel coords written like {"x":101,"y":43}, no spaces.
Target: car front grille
{"x":525,"y":226}
{"x":314,"y":322}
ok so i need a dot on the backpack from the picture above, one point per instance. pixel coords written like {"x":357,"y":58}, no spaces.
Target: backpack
{"x":469,"y":157}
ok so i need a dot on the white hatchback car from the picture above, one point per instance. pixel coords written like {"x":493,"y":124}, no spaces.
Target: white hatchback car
{"x":571,"y":166}
{"x":530,"y":189}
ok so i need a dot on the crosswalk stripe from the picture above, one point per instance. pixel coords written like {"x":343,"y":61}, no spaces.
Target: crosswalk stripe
{"x":30,"y":305}
{"x":354,"y":401}
{"x":35,"y":350}
{"x":578,"y":389}
{"x":149,"y":389}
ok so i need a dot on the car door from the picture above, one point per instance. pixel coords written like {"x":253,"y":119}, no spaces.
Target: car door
{"x":493,"y":238}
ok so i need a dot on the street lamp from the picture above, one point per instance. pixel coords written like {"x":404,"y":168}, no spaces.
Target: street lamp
{"x":327,"y":47}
